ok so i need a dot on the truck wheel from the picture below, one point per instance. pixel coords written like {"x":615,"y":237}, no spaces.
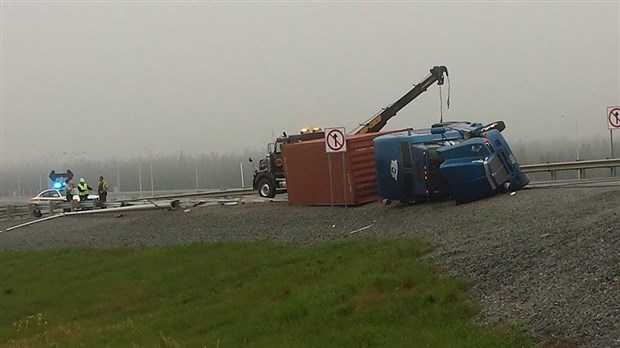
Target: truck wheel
{"x":266,"y":188}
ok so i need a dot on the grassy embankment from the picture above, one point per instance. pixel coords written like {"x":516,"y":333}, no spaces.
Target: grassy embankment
{"x":371,"y":293}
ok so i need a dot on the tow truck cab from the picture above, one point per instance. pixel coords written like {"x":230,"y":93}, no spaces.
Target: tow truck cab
{"x":269,"y":178}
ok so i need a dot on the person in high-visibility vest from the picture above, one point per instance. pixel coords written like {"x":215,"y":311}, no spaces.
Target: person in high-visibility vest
{"x":83,"y":189}
{"x":70,"y":189}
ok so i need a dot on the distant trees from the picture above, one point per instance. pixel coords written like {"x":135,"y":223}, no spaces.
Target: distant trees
{"x":168,"y":172}
{"x":542,"y":151}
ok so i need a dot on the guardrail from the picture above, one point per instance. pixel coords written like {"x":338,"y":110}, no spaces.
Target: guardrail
{"x":231,"y":192}
{"x":580,"y":166}
{"x":10,"y":212}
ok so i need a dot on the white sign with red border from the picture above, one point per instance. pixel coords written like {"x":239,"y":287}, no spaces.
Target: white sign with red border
{"x":613,"y":117}
{"x":335,"y":140}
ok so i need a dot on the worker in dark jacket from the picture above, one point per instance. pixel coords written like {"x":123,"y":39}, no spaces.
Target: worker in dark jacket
{"x":102,"y":190}
{"x":83,"y":189}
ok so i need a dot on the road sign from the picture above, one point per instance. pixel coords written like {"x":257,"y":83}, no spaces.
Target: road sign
{"x":335,"y":140}
{"x":613,"y":117}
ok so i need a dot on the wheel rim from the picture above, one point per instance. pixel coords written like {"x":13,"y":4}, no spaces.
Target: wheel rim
{"x":264,"y":190}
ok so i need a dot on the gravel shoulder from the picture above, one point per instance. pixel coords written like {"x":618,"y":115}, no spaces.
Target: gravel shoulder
{"x":545,"y":259}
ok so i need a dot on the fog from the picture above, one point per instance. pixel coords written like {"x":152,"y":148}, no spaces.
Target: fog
{"x":104,"y":80}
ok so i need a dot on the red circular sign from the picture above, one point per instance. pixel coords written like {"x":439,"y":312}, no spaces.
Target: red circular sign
{"x":614,"y":117}
{"x":335,"y":139}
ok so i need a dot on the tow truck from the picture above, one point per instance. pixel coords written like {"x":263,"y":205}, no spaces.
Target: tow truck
{"x":269,"y":178}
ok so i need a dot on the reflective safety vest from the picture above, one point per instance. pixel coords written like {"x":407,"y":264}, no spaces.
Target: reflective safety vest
{"x":71,"y":191}
{"x":83,"y":188}
{"x":103,"y":186}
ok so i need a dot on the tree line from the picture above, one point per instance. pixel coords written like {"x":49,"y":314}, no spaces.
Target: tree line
{"x":165,"y":172}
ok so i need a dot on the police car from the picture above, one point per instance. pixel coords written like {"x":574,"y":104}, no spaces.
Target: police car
{"x":55,"y":195}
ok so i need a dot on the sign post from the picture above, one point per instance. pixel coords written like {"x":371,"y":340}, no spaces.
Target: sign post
{"x":613,"y":122}
{"x":335,"y":141}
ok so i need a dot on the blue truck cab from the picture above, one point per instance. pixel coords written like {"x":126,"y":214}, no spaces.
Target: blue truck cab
{"x":462,"y":160}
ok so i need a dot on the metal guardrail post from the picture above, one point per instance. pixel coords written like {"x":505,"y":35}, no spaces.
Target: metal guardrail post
{"x":31,"y":209}
{"x":9,"y":211}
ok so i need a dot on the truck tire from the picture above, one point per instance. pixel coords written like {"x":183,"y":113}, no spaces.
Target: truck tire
{"x":266,"y":188}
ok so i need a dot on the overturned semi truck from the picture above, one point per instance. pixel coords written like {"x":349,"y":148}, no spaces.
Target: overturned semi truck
{"x":459,"y":160}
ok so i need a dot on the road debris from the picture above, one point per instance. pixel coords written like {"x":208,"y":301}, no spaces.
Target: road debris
{"x":361,"y":229}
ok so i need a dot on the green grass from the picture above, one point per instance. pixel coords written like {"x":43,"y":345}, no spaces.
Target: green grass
{"x":370,"y":293}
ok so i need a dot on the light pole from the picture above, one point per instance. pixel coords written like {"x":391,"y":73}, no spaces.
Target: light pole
{"x":148,"y":148}
{"x":196,"y":170}
{"x":576,"y":140}
{"x":140,"y":175}
{"x":152,"y":190}
{"x":576,"y":134}
{"x":242,"y":181}
{"x":118,"y":176}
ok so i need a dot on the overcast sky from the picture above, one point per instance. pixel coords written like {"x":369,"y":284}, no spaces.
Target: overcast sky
{"x":128,"y":78}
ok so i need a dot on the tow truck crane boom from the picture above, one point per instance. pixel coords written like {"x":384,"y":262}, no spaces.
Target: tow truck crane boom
{"x":379,"y":121}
